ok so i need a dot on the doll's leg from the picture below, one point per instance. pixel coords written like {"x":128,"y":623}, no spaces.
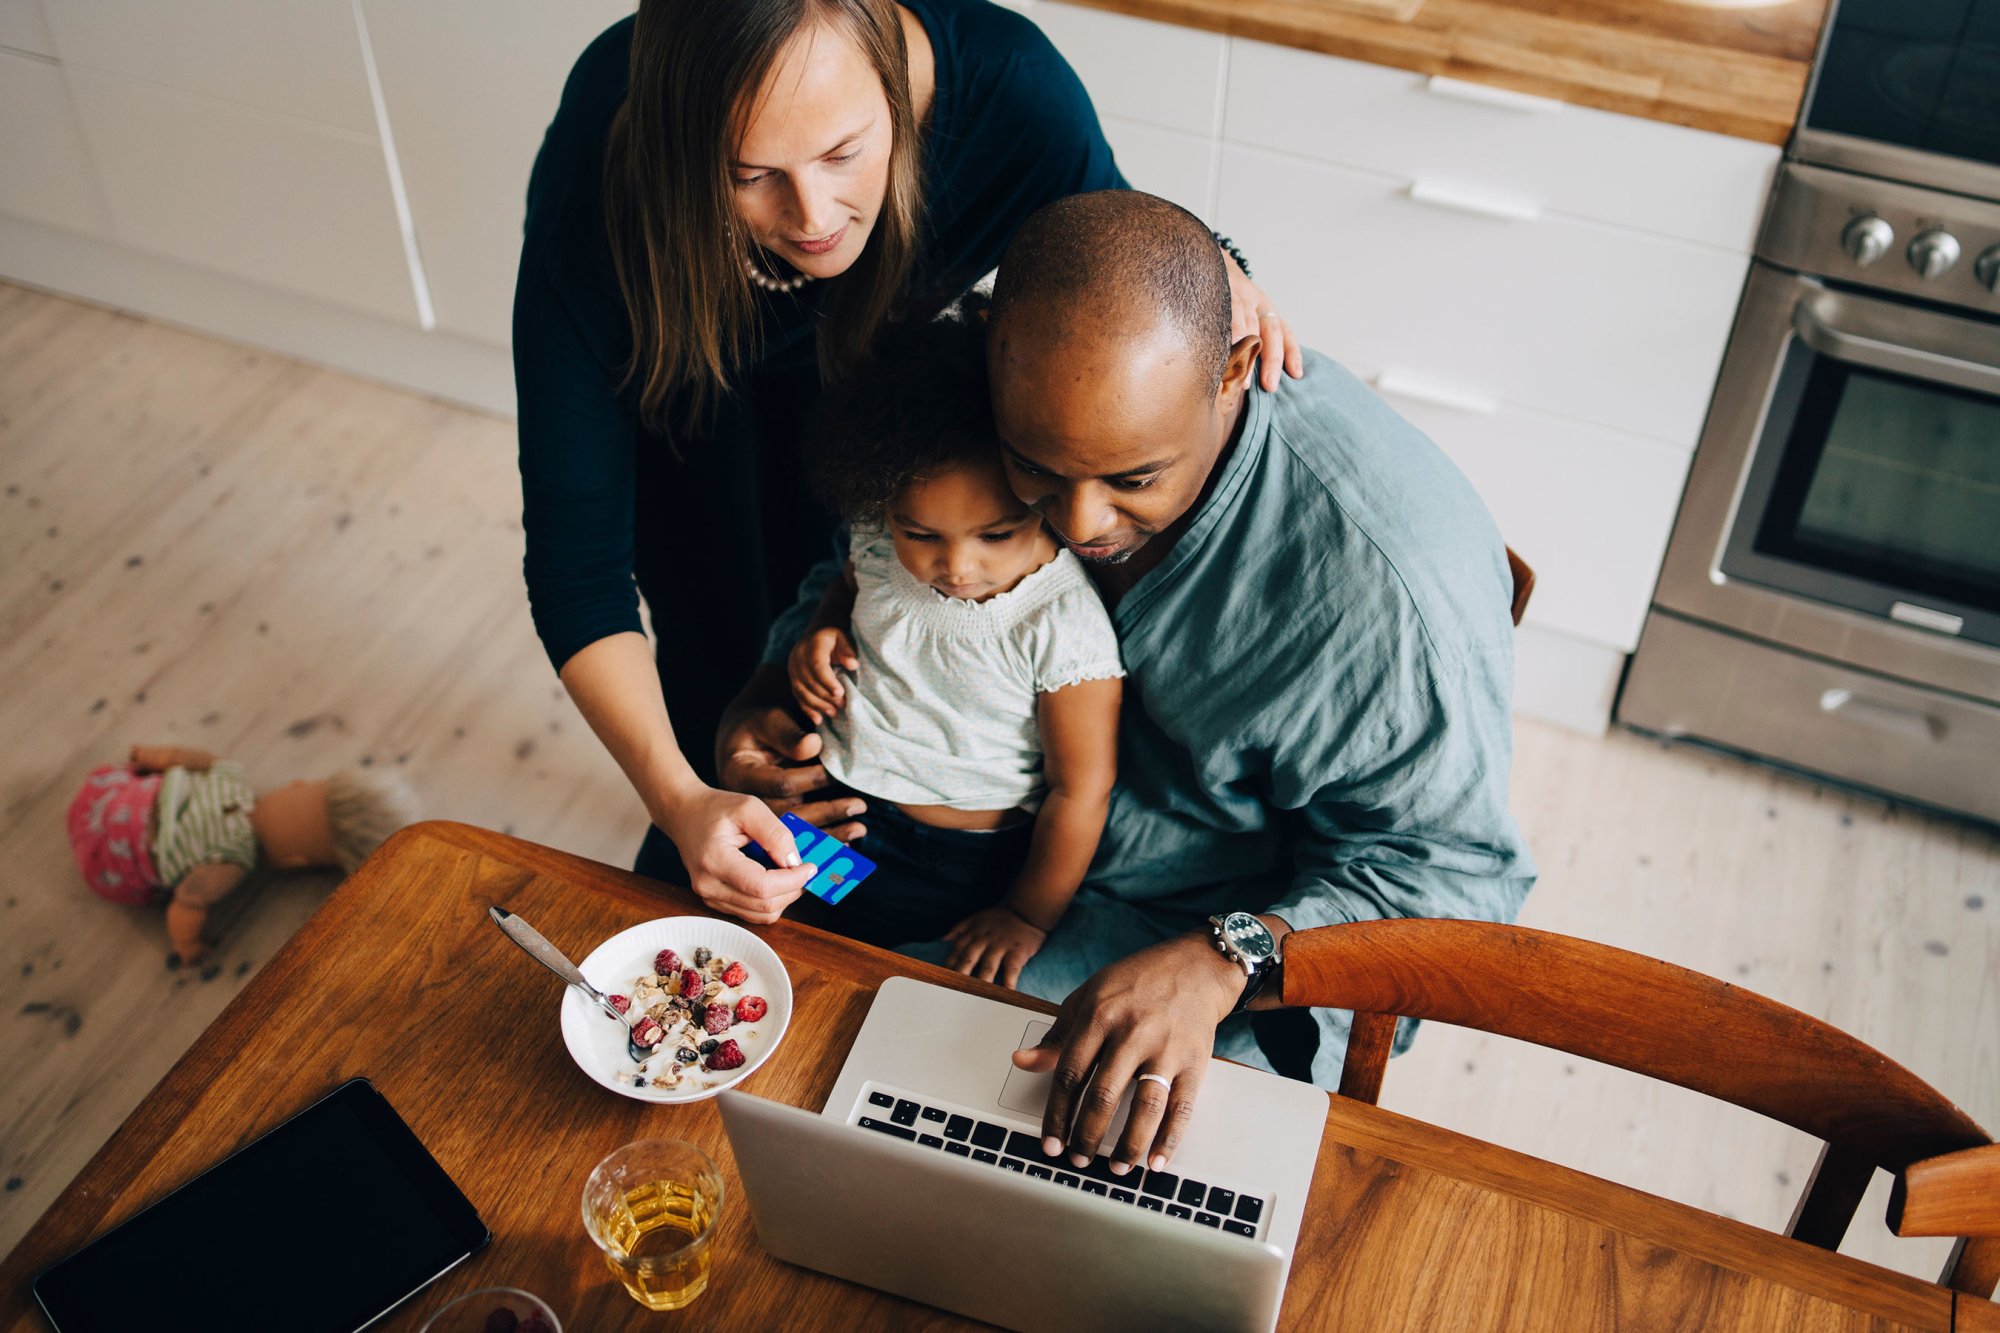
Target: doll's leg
{"x":200,"y":889}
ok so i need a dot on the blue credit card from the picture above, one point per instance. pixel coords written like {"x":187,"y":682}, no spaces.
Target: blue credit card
{"x":840,"y":866}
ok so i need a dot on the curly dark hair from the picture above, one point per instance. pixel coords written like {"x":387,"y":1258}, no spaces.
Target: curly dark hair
{"x":916,"y":407}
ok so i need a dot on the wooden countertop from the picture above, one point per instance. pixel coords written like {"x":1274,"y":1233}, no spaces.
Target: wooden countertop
{"x":1408,"y":1226}
{"x":1733,"y":71}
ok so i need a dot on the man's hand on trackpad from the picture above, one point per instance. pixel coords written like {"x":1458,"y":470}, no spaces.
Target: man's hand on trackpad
{"x":1148,"y":1019}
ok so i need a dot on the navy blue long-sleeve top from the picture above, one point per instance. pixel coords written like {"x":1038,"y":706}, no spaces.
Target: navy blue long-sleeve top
{"x":1009,"y":129}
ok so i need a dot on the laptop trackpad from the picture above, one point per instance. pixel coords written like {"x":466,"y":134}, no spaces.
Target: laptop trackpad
{"x":1029,"y":1093}
{"x":1025,"y":1092}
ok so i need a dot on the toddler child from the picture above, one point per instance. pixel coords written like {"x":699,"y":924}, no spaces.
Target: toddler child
{"x":963,"y":673}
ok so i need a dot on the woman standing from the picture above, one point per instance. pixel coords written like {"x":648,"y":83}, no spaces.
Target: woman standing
{"x":732,"y":199}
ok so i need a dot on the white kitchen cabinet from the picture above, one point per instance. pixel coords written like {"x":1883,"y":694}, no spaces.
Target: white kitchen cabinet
{"x":299,"y":206}
{"x":294,"y":57}
{"x":1136,"y":69}
{"x":1566,"y":159}
{"x":1170,"y":163}
{"x":1565,"y":680}
{"x":1588,"y":508}
{"x":44,"y":170}
{"x":1618,"y":327}
{"x":470,"y":87}
{"x":22,"y":28}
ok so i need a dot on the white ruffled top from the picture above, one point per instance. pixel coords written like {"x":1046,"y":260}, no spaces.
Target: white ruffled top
{"x":942,"y":710}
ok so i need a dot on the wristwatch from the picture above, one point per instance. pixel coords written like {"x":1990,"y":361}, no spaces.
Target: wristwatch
{"x":1246,"y":942}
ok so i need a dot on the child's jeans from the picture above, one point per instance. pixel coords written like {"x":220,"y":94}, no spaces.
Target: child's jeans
{"x":926,"y":880}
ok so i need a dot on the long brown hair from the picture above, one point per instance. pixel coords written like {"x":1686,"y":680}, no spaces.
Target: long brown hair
{"x":669,"y":196}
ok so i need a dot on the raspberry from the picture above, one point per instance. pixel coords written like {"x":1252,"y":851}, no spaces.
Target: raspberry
{"x":751,"y":1008}
{"x":620,"y":1002}
{"x":717,"y":1019}
{"x":646,"y":1032}
{"x":534,"y":1323}
{"x":666,"y":962}
{"x":735,"y":974}
{"x":691,"y":984}
{"x":726,"y":1056}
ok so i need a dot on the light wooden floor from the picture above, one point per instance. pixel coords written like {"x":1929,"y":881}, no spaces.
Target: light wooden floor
{"x":209,"y":545}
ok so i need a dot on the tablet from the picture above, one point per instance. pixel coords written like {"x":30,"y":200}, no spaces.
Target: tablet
{"x":323,"y":1225}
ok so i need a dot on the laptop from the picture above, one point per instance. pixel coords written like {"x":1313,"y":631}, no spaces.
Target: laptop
{"x":924,"y":1176}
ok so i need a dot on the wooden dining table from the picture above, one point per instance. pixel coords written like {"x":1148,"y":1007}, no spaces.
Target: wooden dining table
{"x":401,"y":977}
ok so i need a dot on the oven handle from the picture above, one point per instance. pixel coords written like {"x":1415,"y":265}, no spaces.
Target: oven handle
{"x":1900,"y":340}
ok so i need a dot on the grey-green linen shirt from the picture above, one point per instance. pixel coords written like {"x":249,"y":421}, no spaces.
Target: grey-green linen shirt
{"x":1316,"y":716}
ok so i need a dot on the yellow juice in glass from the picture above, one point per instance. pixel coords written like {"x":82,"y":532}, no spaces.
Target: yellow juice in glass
{"x":659,"y":1231}
{"x":652,"y":1207}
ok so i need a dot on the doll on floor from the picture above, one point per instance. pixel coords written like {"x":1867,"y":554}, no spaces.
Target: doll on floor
{"x":181,"y":827}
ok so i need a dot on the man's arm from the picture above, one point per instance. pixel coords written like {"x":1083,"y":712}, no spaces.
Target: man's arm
{"x":1405,"y":816}
{"x":1421,"y":828}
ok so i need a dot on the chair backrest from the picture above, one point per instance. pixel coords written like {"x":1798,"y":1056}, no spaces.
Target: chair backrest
{"x":1640,"y":1014}
{"x":1957,"y":1194}
{"x":1524,"y":585}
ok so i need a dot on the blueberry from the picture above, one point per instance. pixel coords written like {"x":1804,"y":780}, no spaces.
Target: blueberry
{"x":701,"y":957}
{"x":709,"y":1045}
{"x":687,"y":1055}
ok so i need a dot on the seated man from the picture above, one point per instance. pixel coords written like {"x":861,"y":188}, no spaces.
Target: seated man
{"x":1312,"y":605}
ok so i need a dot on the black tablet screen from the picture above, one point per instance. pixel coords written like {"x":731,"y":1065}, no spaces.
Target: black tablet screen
{"x":321,"y":1226}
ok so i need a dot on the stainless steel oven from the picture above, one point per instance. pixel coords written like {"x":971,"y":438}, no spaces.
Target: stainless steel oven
{"x":1831,"y":594}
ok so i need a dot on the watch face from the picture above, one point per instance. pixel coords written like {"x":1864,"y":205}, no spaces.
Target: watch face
{"x":1249,"y":935}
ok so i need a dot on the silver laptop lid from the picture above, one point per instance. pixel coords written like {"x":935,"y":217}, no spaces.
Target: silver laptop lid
{"x":1251,"y":1130}
{"x":993,"y":1245}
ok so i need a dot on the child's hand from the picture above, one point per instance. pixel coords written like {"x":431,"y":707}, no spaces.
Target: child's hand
{"x":993,"y":945}
{"x":815,"y":681}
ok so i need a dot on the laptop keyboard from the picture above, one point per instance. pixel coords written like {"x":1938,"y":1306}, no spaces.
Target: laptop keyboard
{"x":1184,"y":1198}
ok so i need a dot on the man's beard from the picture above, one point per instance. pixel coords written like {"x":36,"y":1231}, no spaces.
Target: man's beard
{"x":1115,"y":558}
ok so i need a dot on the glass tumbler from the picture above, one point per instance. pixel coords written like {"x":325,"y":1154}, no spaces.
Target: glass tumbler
{"x":652,"y":1207}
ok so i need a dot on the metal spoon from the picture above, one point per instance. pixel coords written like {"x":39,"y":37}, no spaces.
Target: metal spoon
{"x":537,"y":947}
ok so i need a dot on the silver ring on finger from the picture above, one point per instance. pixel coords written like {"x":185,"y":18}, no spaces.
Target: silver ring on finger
{"x":1160,"y":1079}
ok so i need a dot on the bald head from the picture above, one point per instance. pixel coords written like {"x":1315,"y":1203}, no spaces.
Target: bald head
{"x":1115,"y":385}
{"x":1123,"y":264}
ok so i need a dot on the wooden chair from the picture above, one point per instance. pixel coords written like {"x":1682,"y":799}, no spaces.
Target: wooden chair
{"x":1524,"y":584}
{"x":1957,"y":1194}
{"x":1652,"y":1018}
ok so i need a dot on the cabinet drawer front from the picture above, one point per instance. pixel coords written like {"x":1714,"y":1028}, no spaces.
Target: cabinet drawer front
{"x":1589,"y":509}
{"x":275,"y":200}
{"x":1169,"y":163}
{"x":1576,"y":160}
{"x":1138,"y":69}
{"x":1576,"y":318}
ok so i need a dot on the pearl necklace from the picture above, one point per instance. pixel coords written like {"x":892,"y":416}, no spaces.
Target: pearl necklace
{"x":770,"y":284}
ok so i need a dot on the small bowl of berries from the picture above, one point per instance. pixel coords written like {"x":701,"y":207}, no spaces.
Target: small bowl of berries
{"x":707,"y":1003}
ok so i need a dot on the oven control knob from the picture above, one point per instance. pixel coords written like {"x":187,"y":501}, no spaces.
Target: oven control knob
{"x":1867,"y":239}
{"x":1933,"y":252}
{"x":1987,"y":269}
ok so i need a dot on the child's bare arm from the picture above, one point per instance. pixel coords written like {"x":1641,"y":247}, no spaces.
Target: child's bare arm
{"x":1079,"y":727}
{"x":812,"y":667}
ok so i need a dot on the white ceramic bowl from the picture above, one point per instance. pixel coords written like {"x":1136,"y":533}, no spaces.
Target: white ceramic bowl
{"x":598,"y":1045}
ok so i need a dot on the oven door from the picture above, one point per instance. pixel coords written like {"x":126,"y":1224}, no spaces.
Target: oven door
{"x":1845,"y":497}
